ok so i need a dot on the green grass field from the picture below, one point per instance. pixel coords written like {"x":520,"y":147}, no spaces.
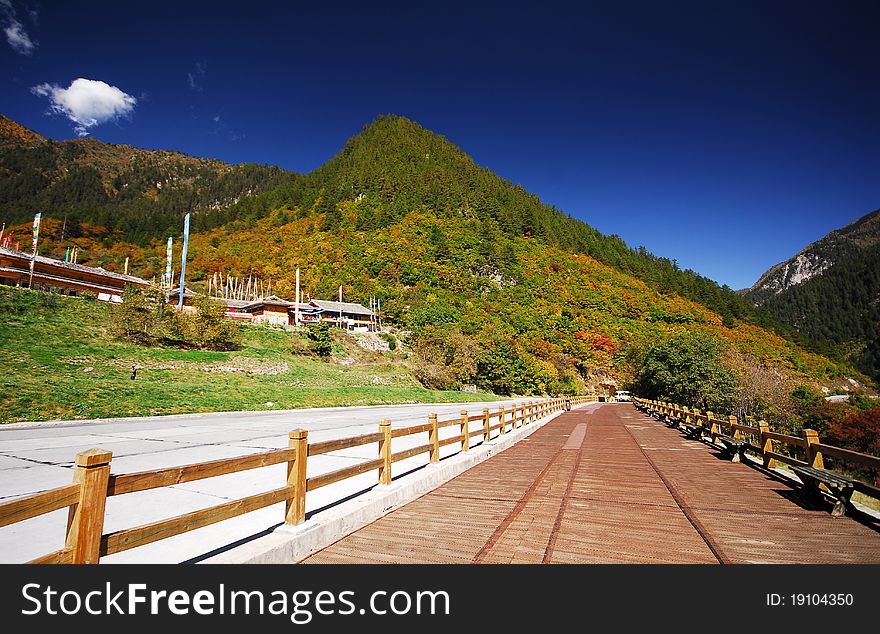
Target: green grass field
{"x":59,"y":360}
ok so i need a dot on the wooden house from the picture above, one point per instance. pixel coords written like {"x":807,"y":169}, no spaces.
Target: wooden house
{"x":346,"y":315}
{"x":270,"y":310}
{"x":188,"y":295}
{"x":62,"y":277}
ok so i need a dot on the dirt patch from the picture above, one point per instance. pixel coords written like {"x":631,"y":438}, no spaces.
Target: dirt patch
{"x":249,"y":366}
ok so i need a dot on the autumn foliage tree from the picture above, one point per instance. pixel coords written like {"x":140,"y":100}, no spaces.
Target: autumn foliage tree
{"x":687,"y":369}
{"x":859,"y":431}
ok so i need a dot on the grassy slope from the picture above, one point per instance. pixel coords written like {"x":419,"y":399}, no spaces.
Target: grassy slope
{"x":46,"y":351}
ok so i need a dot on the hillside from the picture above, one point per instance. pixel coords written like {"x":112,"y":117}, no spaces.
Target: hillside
{"x":830,"y":292}
{"x":489,"y":285}
{"x":136,"y":195}
{"x":60,"y":361}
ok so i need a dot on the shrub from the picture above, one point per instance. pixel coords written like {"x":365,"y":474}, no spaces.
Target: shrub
{"x":206,"y":328}
{"x":141,"y":315}
{"x":860,"y":431}
{"x":145,"y":317}
{"x":319,"y":337}
{"x":390,"y":339}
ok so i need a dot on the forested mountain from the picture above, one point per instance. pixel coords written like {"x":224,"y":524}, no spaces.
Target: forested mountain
{"x":490,"y":285}
{"x":396,"y":166}
{"x":836,"y":296}
{"x":137,"y":195}
{"x":837,"y":246}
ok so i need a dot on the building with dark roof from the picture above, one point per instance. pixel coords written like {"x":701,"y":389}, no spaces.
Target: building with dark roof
{"x":345,"y":314}
{"x":62,"y":277}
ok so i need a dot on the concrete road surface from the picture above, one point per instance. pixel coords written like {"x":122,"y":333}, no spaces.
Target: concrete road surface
{"x":39,"y":456}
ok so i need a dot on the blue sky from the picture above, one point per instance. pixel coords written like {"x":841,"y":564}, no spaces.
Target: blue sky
{"x":724,"y":135}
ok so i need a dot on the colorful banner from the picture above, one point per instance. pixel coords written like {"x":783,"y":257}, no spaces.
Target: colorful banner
{"x":166,"y":279}
{"x":34,"y":254}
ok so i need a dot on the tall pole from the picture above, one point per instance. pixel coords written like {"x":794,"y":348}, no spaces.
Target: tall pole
{"x":183,"y":260}
{"x":296,"y":301}
{"x":34,"y":254}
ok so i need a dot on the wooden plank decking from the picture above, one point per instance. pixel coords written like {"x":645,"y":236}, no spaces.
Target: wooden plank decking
{"x":608,"y":485}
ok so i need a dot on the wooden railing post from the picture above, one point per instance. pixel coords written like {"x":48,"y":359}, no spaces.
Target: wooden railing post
{"x":385,"y":452}
{"x":85,"y":519}
{"x":486,"y":431}
{"x":766,"y":444}
{"x":814,"y":456}
{"x":501,"y":430}
{"x":515,"y":422}
{"x":465,"y":431}
{"x":731,"y":421}
{"x":295,"y":508}
{"x":434,"y":438}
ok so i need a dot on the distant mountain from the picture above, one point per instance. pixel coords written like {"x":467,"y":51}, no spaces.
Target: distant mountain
{"x":818,"y":257}
{"x":136,"y":194}
{"x":830,"y":291}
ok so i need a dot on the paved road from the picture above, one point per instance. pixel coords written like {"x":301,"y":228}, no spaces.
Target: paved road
{"x":38,"y":456}
{"x":607,"y":484}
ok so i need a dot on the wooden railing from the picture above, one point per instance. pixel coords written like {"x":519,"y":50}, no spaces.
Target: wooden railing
{"x":86,"y":496}
{"x":803,"y":451}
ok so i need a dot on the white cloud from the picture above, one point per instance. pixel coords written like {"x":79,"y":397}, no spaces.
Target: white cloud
{"x":14,"y":30}
{"x":194,"y":78}
{"x":87,"y":102}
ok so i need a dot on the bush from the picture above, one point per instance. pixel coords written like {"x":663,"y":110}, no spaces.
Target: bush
{"x":319,"y":337}
{"x":207,"y":328}
{"x":17,"y":301}
{"x":449,"y":358}
{"x":860,"y":431}
{"x":141,"y":315}
{"x":145,"y":317}
{"x":391,"y":340}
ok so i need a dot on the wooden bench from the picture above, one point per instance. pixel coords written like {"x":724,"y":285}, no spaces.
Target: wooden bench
{"x":672,"y":421}
{"x":734,"y":448}
{"x":692,"y":432}
{"x":840,"y":486}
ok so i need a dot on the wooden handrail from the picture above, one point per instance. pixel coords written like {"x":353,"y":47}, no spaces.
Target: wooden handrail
{"x":409,"y":431}
{"x":847,"y":455}
{"x":63,"y":556}
{"x":146,"y":480}
{"x":323,"y":480}
{"x":86,"y":495}
{"x":409,"y":453}
{"x":41,"y":503}
{"x":326,"y":446}
{"x":119,"y":541}
{"x":785,"y":438}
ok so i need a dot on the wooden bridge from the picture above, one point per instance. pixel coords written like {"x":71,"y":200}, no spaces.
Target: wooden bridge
{"x":602,"y":483}
{"x":611,"y":485}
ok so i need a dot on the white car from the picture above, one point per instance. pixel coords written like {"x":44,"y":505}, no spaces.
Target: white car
{"x":623,"y":396}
